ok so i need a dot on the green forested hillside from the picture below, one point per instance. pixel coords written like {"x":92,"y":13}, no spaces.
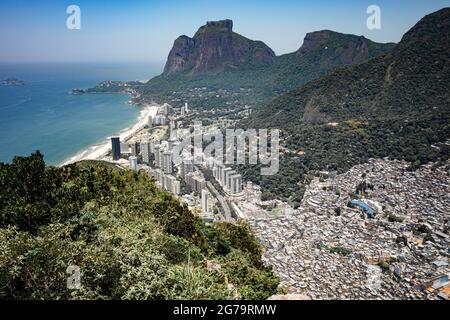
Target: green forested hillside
{"x":396,"y":105}
{"x":130,"y":239}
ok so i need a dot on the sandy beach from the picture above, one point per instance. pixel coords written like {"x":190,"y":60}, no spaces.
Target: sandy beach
{"x":97,"y":152}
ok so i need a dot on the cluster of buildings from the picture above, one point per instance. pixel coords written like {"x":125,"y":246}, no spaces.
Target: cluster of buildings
{"x":161,"y":165}
{"x":195,"y":181}
{"x":120,"y":150}
{"x":154,"y":156}
{"x":402,"y":252}
{"x":378,"y":231}
{"x":162,"y":117}
{"x":165,"y":181}
{"x":228,"y":178}
{"x":157,"y":158}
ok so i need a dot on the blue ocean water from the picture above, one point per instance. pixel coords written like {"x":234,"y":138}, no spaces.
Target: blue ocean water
{"x":43,"y":115}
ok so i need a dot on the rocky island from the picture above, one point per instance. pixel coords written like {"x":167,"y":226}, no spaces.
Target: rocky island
{"x":12,"y":82}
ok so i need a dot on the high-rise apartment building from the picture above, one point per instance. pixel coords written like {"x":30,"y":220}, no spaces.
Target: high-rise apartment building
{"x":115,"y":146}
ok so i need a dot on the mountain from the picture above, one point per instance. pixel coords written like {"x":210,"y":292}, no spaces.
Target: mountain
{"x":214,"y":47}
{"x":345,"y":48}
{"x":322,"y":52}
{"x":219,"y":59}
{"x":394,"y":105}
{"x":393,"y":83}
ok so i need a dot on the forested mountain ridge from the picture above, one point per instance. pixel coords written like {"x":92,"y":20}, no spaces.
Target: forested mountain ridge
{"x":219,"y":59}
{"x":413,"y":75}
{"x":396,"y":105}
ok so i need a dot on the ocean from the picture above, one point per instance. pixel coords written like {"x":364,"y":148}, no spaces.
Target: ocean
{"x":43,"y":115}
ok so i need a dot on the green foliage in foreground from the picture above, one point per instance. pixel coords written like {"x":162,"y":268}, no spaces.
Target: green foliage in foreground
{"x":130,"y":239}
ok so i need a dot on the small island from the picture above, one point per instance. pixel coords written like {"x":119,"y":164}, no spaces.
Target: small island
{"x":12,"y":82}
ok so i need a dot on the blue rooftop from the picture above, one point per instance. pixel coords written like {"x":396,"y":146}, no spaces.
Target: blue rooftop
{"x":368,"y":210}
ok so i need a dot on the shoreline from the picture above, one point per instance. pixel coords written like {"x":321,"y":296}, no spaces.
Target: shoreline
{"x":99,"y":151}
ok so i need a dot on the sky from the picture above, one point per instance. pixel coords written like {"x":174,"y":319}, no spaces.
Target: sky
{"x":144,"y":30}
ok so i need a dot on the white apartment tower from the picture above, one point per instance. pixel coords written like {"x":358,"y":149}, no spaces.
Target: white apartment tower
{"x":157,"y":149}
{"x":145,"y":152}
{"x":205,"y":201}
{"x":133,"y":163}
{"x":167,"y":164}
{"x":236,"y":184}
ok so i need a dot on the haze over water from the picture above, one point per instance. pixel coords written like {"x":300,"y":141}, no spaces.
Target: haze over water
{"x":43,"y":115}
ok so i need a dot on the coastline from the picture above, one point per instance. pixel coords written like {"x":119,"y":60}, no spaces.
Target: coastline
{"x":99,"y":151}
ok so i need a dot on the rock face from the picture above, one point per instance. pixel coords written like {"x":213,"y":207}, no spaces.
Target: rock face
{"x":179,"y":55}
{"x":332,"y":46}
{"x":213,"y":48}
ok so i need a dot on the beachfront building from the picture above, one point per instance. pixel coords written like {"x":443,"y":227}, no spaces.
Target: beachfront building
{"x":149,"y":121}
{"x":133,"y":163}
{"x":166,"y":109}
{"x":124,"y":148}
{"x":115,"y":146}
{"x":160,"y":120}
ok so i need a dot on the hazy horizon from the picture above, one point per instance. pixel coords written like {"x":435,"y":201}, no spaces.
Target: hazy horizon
{"x":143,"y":32}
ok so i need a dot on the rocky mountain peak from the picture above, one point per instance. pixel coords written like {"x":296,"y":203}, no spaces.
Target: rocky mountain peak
{"x":223,"y":24}
{"x":213,"y":48}
{"x":313,"y":40}
{"x":331,"y":46}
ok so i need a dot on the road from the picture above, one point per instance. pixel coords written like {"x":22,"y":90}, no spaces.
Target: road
{"x":223,"y":203}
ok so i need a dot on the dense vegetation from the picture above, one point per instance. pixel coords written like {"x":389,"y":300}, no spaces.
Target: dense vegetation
{"x":130,"y":239}
{"x":396,"y":105}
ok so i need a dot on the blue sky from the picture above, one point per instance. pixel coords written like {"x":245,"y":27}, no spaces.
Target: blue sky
{"x":144,"y":30}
